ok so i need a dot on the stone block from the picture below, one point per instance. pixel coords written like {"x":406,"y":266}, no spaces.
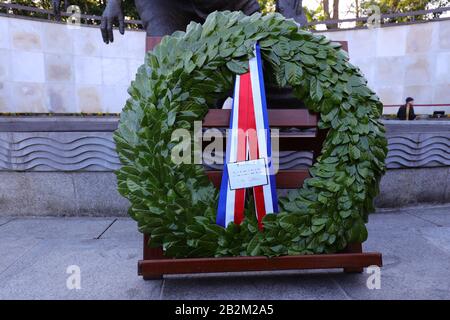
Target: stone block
{"x":115,"y":71}
{"x":444,"y":35}
{"x":419,"y":38}
{"x":130,"y":46}
{"x":419,"y":69}
{"x":362,"y":44}
{"x":87,"y":42}
{"x":4,"y":34}
{"x":367,"y":66}
{"x":114,"y":98}
{"x":5,"y":97}
{"x":58,"y":68}
{"x":441,"y":93}
{"x":27,"y":66}
{"x":442,"y":69}
{"x":89,"y":99}
{"x":391,"y":41}
{"x":133,"y":66}
{"x":421,"y":94}
{"x":409,"y":187}
{"x":58,"y":38}
{"x":135,"y":44}
{"x":97,"y":195}
{"x":25,"y":34}
{"x":61,"y":98}
{"x":390,"y":94}
{"x":5,"y":65}
{"x":389,"y":71}
{"x":34,"y":194}
{"x":28,"y":97}
{"x":88,"y":70}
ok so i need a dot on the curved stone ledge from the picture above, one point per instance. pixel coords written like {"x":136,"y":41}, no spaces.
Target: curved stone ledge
{"x":58,"y":151}
{"x":86,"y":144}
{"x":67,"y":169}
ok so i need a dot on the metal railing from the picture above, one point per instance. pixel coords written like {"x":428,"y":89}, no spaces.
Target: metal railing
{"x":11,"y":8}
{"x":360,"y":22}
{"x":418,"y":105}
{"x":384,"y":19}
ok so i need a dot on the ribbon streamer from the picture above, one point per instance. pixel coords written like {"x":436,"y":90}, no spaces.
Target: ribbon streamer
{"x":249,"y":139}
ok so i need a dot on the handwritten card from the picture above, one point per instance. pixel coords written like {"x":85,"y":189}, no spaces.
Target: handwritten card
{"x":247,"y":174}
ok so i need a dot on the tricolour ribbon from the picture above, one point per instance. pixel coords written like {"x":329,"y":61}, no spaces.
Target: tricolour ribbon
{"x":249,"y":139}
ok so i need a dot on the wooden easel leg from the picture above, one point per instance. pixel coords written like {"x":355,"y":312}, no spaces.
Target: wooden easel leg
{"x":151,"y":254}
{"x":354,"y":248}
{"x":148,"y":278}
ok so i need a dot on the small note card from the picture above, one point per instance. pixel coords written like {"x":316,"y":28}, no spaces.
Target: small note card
{"x":247,"y":174}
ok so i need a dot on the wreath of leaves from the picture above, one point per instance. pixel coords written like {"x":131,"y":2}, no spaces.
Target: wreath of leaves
{"x":184,"y":75}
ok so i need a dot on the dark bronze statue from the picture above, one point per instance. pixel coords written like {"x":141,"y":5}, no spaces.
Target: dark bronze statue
{"x":162,"y":17}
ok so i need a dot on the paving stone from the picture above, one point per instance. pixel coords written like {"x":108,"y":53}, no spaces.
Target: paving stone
{"x":279,"y":285}
{"x":107,"y":271}
{"x":439,"y":215}
{"x":55,"y":228}
{"x":415,"y":243}
{"x":439,"y":237}
{"x":404,"y":221}
{"x":123,"y":228}
{"x":12,"y":251}
{"x":4,"y":221}
{"x":413,"y":268}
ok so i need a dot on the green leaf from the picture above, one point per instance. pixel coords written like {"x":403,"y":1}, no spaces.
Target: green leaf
{"x":237,"y":67}
{"x":316,"y":92}
{"x":354,"y":152}
{"x":254,"y":247}
{"x":268,"y":42}
{"x":319,"y":221}
{"x":307,"y":60}
{"x":316,"y":229}
{"x":293,"y":73}
{"x":345,"y":214}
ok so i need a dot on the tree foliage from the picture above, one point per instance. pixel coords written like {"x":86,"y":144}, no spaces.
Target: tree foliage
{"x":402,"y":6}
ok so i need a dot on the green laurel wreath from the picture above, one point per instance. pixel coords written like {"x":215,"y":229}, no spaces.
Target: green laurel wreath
{"x":176,"y":204}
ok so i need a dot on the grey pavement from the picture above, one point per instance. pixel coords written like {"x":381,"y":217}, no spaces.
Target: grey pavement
{"x":35,"y":254}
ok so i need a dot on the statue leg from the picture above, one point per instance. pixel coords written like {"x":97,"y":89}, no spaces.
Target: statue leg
{"x":163,"y":17}
{"x":248,"y":7}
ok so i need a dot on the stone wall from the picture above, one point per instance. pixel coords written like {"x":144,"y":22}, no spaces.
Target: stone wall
{"x":401,"y":61}
{"x":64,"y":165}
{"x":50,"y":67}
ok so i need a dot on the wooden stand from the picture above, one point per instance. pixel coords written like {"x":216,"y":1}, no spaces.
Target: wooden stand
{"x":352,"y":260}
{"x":154,"y":265}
